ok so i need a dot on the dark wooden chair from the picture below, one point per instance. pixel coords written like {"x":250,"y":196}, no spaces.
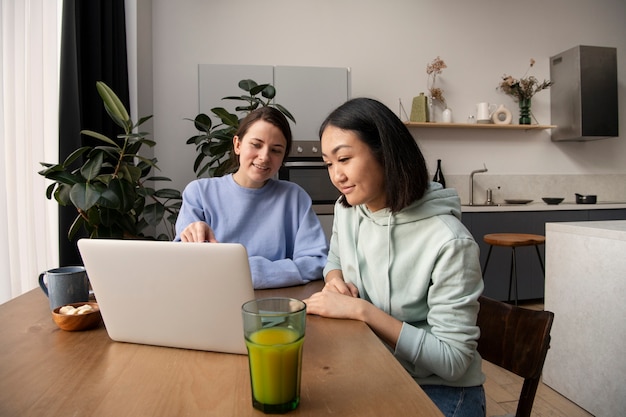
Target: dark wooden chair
{"x":516,"y":339}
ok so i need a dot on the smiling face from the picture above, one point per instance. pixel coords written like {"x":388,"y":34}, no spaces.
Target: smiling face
{"x":353,"y":168}
{"x":261,"y":151}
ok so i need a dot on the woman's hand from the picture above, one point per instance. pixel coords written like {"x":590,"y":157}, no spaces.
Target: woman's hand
{"x":335,"y":283}
{"x":329,"y":303}
{"x":339,"y":300}
{"x":198,"y":232}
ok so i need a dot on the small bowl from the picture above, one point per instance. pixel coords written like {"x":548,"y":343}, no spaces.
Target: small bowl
{"x":77,"y":322}
{"x":552,"y":200}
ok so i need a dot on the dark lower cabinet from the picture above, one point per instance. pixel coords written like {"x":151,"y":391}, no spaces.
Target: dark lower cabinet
{"x":529,"y":274}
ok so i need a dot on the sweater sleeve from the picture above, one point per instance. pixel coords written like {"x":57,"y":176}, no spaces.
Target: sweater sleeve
{"x":445,"y":345}
{"x":191,"y":209}
{"x":307,"y":262}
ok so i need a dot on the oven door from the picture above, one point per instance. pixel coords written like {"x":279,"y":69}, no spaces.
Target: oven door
{"x":312,"y":176}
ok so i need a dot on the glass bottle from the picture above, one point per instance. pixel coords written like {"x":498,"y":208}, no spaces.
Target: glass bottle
{"x":439,"y":175}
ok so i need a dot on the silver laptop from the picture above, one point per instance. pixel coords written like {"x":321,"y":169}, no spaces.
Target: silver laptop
{"x":184,"y":295}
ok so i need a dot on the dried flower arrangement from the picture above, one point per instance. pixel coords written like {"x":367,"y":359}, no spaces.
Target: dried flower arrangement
{"x":524,"y":88}
{"x":432,"y":70}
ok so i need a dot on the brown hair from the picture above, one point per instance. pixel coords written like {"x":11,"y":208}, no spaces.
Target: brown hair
{"x":267,"y":114}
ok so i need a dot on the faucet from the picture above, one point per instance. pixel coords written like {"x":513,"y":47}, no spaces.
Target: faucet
{"x":471,"y":183}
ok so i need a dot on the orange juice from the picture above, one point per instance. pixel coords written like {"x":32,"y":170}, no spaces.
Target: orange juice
{"x":275,"y":356}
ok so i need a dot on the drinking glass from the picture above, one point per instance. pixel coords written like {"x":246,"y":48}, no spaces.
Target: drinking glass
{"x":274,"y":335}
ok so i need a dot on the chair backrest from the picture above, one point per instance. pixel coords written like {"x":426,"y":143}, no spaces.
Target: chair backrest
{"x":516,"y":339}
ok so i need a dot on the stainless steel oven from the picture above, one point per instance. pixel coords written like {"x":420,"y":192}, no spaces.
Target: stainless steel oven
{"x":305,"y":167}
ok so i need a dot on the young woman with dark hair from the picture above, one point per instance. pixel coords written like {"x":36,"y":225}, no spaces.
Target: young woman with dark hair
{"x":273,"y":219}
{"x":400,"y":259}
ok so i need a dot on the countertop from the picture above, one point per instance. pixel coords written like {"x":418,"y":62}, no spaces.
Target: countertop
{"x":541,"y":206}
{"x":608,"y":229}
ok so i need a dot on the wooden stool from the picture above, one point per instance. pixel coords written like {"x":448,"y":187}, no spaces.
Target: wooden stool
{"x":513,"y":240}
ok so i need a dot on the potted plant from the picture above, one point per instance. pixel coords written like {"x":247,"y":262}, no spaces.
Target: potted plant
{"x":110,"y":190}
{"x":215,"y":141}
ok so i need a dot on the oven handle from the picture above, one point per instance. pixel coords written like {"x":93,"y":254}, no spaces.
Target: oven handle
{"x":305,"y":164}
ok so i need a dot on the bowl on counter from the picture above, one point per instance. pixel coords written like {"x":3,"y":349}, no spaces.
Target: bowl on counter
{"x":79,"y":321}
{"x":552,"y":200}
{"x":585,"y":199}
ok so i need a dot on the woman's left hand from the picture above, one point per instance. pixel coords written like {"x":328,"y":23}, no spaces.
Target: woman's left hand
{"x":334,"y":305}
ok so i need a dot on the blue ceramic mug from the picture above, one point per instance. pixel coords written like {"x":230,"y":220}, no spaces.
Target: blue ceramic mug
{"x":65,"y":285}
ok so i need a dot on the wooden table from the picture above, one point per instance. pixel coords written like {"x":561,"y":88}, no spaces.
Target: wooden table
{"x":45,"y":371}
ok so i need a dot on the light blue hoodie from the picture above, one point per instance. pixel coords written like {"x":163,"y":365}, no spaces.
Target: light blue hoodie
{"x":420,"y":265}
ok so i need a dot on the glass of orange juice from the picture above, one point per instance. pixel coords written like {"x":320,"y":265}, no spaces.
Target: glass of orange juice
{"x":274,"y":333}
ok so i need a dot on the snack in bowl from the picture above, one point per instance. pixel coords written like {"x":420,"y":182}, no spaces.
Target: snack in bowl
{"x":77,"y":316}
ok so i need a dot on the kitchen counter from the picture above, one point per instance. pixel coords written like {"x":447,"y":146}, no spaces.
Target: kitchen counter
{"x":529,"y":218}
{"x":541,"y":206}
{"x":585,"y":287}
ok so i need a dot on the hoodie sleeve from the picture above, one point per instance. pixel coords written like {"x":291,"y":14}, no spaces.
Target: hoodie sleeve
{"x":446,"y":344}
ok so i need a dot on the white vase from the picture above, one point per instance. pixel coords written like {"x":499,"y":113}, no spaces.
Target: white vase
{"x":446,"y":116}
{"x":502,"y":116}
{"x":431,"y":109}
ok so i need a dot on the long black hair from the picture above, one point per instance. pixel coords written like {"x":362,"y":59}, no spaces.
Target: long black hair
{"x":405,"y":172}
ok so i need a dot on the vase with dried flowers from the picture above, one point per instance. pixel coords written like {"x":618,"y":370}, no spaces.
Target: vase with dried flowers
{"x":436,"y":94}
{"x":522,"y":90}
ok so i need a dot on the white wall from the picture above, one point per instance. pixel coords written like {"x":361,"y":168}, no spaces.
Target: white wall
{"x":388,"y":44}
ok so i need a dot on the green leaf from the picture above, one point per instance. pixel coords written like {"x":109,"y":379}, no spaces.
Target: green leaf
{"x":75,"y":155}
{"x":112,"y":196}
{"x":75,"y":227}
{"x":158,"y":179}
{"x":50,"y":191}
{"x":127,"y":196}
{"x":62,"y":194}
{"x":238,"y":98}
{"x":247,"y":85}
{"x":111,"y":101}
{"x":142,"y":121}
{"x":285,"y":112}
{"x":202,"y":171}
{"x":146,"y":161}
{"x":167,"y":193}
{"x":92,"y":167}
{"x":269,"y":92}
{"x":257,"y":89}
{"x":99,"y":136}
{"x":145,"y":191}
{"x":202,"y":122}
{"x":130,"y":173}
{"x":226,"y":117}
{"x":113,"y":152}
{"x":62,"y":177}
{"x":198,"y":161}
{"x":153,"y":213}
{"x":84,"y":196}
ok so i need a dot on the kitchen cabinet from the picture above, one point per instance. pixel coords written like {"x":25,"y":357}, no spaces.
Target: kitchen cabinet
{"x":309,"y":93}
{"x":529,"y":274}
{"x":585,"y":289}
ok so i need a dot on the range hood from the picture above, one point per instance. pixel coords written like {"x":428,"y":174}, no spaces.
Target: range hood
{"x":583,"y":98}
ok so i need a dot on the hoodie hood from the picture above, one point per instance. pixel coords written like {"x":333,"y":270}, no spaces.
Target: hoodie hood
{"x":436,"y":201}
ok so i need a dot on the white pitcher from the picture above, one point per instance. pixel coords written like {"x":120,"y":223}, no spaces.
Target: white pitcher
{"x":484,"y":111}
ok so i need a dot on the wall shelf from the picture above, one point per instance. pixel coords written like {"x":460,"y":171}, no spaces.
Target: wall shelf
{"x":437,"y":125}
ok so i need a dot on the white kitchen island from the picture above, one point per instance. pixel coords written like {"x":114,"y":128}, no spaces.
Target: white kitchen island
{"x":586,"y":290}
